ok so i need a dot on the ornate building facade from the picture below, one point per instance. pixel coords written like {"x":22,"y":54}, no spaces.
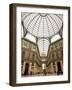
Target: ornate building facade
{"x":32,"y":63}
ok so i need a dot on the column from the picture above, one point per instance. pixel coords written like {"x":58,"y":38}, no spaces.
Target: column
{"x":52,"y":69}
{"x":23,"y":67}
{"x":34,"y":68}
{"x":61,"y":65}
{"x":30,"y":65}
{"x":56,"y":67}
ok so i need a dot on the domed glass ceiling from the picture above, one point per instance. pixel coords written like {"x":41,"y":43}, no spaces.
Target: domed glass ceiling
{"x":43,"y":26}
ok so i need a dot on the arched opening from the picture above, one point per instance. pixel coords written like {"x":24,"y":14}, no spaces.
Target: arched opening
{"x":59,"y":68}
{"x":26,"y":69}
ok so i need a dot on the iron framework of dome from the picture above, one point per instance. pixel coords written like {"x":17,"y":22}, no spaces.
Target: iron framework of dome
{"x":43,"y":27}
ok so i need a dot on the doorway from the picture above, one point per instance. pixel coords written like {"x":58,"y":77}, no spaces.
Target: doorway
{"x":26,"y":69}
{"x":59,"y":68}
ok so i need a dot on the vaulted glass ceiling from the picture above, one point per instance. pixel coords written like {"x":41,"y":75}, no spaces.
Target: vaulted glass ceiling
{"x":43,"y":27}
{"x":43,"y":45}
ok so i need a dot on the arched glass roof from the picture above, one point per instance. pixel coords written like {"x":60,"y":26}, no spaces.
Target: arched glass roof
{"x":42,"y":25}
{"x":43,"y":45}
{"x":42,"y":28}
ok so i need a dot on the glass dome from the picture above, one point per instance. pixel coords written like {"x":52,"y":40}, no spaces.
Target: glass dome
{"x":42,"y":24}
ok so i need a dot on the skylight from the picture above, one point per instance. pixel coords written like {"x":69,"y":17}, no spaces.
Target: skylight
{"x":55,"y":38}
{"x":30,"y":37}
